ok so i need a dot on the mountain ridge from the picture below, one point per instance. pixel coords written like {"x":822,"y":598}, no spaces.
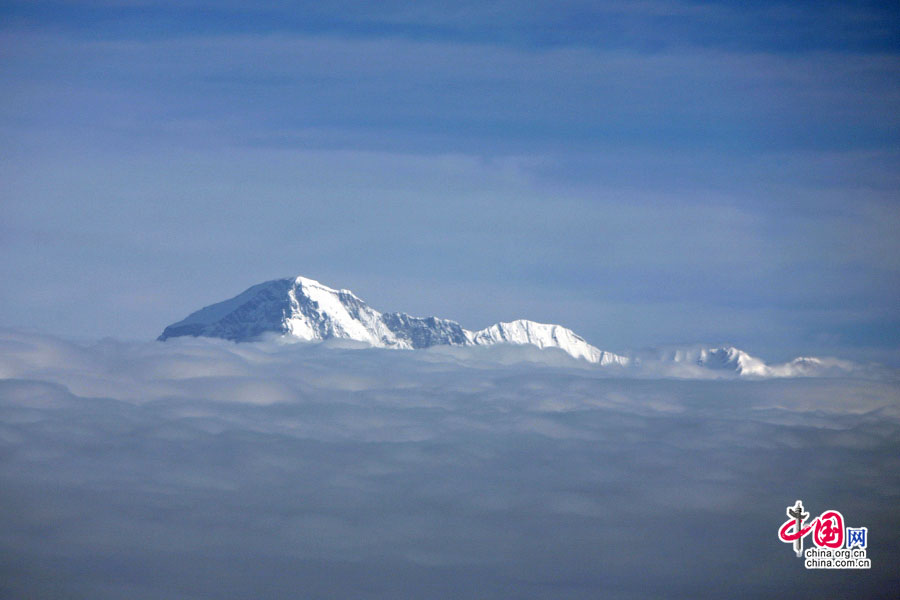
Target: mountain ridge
{"x":299,"y":308}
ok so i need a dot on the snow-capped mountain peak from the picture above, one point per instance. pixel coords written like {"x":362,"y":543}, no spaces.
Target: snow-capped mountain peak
{"x":305,"y":309}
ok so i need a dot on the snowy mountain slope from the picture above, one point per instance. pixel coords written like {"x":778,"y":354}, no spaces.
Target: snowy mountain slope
{"x":258,"y":310}
{"x":299,"y":308}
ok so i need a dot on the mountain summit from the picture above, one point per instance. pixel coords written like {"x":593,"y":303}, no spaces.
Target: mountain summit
{"x":304,"y":309}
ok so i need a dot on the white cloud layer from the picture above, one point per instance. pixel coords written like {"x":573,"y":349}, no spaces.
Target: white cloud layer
{"x":203,"y":469}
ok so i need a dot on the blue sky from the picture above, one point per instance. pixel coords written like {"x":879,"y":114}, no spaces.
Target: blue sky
{"x":644,"y":173}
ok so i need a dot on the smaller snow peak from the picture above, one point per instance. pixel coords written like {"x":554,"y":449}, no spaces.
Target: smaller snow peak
{"x":811,"y":366}
{"x":728,"y":361}
{"x":716,"y":358}
{"x":545,"y":335}
{"x":734,"y":359}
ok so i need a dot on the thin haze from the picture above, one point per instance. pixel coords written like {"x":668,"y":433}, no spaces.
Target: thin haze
{"x":643,"y":173}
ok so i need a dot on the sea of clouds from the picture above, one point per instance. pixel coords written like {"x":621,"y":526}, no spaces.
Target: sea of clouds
{"x":200,"y":468}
